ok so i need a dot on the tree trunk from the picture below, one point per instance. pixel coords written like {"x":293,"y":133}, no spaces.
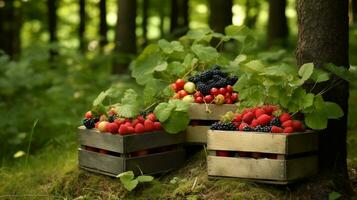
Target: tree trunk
{"x":354,"y":10}
{"x":252,"y":8}
{"x":125,"y":37}
{"x":179,"y":17}
{"x":162,"y":20}
{"x":323,"y":38}
{"x":52,"y":19}
{"x":145,"y":21}
{"x":10,"y":27}
{"x":221,"y":14}
{"x":277,"y":24}
{"x":82,"y":25}
{"x":103,"y":26}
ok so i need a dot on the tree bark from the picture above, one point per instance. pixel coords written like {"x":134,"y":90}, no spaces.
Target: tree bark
{"x":145,"y":21}
{"x":277,"y":24}
{"x":125,"y":37}
{"x":252,"y":8}
{"x":52,"y":19}
{"x":82,"y":25}
{"x":179,"y":17}
{"x":10,"y":27}
{"x":221,"y":14}
{"x":323,"y":38}
{"x":354,"y":10}
{"x":103,"y":26}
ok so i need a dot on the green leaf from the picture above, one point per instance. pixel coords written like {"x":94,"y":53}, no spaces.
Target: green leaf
{"x":127,"y":110}
{"x":100,"y":98}
{"x":334,"y":196}
{"x":177,"y":122}
{"x":315,"y":121}
{"x":334,"y":111}
{"x":129,"y":175}
{"x":161,"y":67}
{"x":170,"y":47}
{"x":306,"y":70}
{"x":319,"y":75}
{"x":253,"y":66}
{"x":144,"y":178}
{"x":206,"y":54}
{"x":153,"y":88}
{"x":308,"y":100}
{"x":176,"y":69}
{"x":180,"y":105}
{"x":163,"y":111}
{"x":237,"y":32}
{"x":199,"y":34}
{"x":342,"y":72}
{"x":129,"y":96}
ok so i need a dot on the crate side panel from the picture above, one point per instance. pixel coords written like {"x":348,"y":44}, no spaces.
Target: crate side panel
{"x":302,"y":142}
{"x":303,"y":167}
{"x":199,"y":111}
{"x":197,"y":134}
{"x":267,"y":169}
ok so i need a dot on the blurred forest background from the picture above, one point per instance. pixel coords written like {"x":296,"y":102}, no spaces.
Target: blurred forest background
{"x":57,"y":55}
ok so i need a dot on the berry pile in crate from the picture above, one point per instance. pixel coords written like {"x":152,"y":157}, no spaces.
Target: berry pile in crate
{"x":210,"y":86}
{"x":145,"y":122}
{"x":268,"y":118}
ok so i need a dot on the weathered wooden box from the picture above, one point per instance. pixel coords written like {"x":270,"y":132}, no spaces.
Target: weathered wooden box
{"x":295,"y":155}
{"x":165,"y":152}
{"x":201,"y":113}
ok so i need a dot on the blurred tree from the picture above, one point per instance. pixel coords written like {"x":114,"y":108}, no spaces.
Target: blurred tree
{"x":221,"y":14}
{"x":125,"y":37}
{"x":10,"y":27}
{"x":323,"y":38}
{"x":162,"y":19}
{"x":82,"y":25}
{"x":179,"y":17}
{"x":277,"y":24}
{"x":145,"y":21}
{"x":52,"y":19}
{"x":354,"y":10}
{"x":252,"y":9}
{"x":103,"y":26}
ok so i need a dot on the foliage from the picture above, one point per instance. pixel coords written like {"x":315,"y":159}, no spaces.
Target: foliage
{"x":130,"y":183}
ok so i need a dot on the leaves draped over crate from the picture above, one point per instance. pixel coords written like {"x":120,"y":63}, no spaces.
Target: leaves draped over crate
{"x":130,"y":182}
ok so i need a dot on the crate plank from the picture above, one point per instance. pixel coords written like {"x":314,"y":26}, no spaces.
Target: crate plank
{"x":197,"y":134}
{"x":100,"y":162}
{"x":298,"y":168}
{"x":199,"y":112}
{"x":267,"y":169}
{"x":302,"y":142}
{"x":244,"y":141}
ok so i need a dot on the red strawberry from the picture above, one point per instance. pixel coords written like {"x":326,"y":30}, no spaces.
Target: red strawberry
{"x":284,"y":117}
{"x":149,"y":125}
{"x":222,"y":91}
{"x":264,"y":119}
{"x":198,"y":100}
{"x":297,"y":125}
{"x":254,"y":123}
{"x":234,"y":96}
{"x":242,"y":125}
{"x":214,"y":91}
{"x":276,"y":129}
{"x":131,"y":129}
{"x":151,"y":116}
{"x":111,"y":127}
{"x":157,"y":125}
{"x":208,"y":98}
{"x":141,"y":118}
{"x":88,"y":115}
{"x":118,"y":121}
{"x":236,"y":124}
{"x":229,"y":88}
{"x":246,"y":110}
{"x":139,"y":128}
{"x":127,"y":124}
{"x":259,"y":112}
{"x":238,"y":118}
{"x":135,"y":122}
{"x":288,"y":130}
{"x":127,"y":120}
{"x":123,"y":130}
{"x":180,"y":83}
{"x":288,"y":123}
{"x":223,"y":153}
{"x":248,"y":117}
{"x":182,"y":93}
{"x":228,"y":101}
{"x":174,"y":87}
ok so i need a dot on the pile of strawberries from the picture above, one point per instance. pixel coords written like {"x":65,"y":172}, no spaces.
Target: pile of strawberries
{"x":122,"y":126}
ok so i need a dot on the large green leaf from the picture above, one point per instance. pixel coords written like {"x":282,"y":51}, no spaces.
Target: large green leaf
{"x":206,"y":54}
{"x":306,"y":70}
{"x":170,"y":47}
{"x":319,"y":75}
{"x":153,"y":88}
{"x":163,"y":111}
{"x":177,"y":122}
{"x":180,"y":105}
{"x":315,"y":121}
{"x":144,"y":178}
{"x":334,"y":111}
{"x":237,"y":32}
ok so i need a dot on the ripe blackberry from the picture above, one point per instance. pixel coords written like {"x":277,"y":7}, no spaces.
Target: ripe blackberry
{"x":96,"y":119}
{"x":266,"y":129}
{"x":143,"y":113}
{"x":203,"y":88}
{"x":229,"y":126}
{"x":89,"y":123}
{"x":232,"y":80}
{"x":194,"y":79}
{"x":222,"y":82}
{"x":275,"y":122}
{"x":258,"y":128}
{"x":111,"y":118}
{"x":216,"y":67}
{"x":205,"y":76}
{"x":247,"y":128}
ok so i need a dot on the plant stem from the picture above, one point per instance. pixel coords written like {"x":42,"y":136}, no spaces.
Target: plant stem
{"x":30,"y":140}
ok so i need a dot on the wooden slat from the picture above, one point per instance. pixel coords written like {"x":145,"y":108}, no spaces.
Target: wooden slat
{"x":246,"y":141}
{"x":94,"y":138}
{"x":100,"y":162}
{"x":298,"y":168}
{"x":267,"y":169}
{"x":302,"y":142}
{"x":199,"y":111}
{"x":156,"y":163}
{"x":197,"y":134}
{"x":98,"y":171}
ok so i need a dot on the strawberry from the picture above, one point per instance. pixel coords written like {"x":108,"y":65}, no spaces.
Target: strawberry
{"x":151,"y":116}
{"x":234,"y":96}
{"x":259,"y":112}
{"x":208,"y":98}
{"x":149,"y":125}
{"x":297,"y":125}
{"x":123,"y":130}
{"x":198,"y":94}
{"x":284,"y":117}
{"x":222,"y":91}
{"x":139,"y":128}
{"x":198,"y":100}
{"x":127,"y":124}
{"x":236,"y":124}
{"x":223,"y":153}
{"x":246,"y":110}
{"x":127,"y":120}
{"x":264,"y":119}
{"x":229,"y":88}
{"x":180,"y":83}
{"x":182,"y":93}
{"x":268,"y":109}
{"x":103,"y":118}
{"x":288,"y":130}
{"x":174,"y":87}
{"x":118,"y":121}
{"x":131,"y":129}
{"x":254,"y":123}
{"x":248,"y":117}
{"x":242,"y":125}
{"x":288,"y":123}
{"x":214,"y":91}
{"x":276,"y":129}
{"x":88,"y":115}
{"x":140,"y":118}
{"x":238,"y":118}
{"x":135,"y":122}
{"x":111,"y":127}
{"x":157,"y":126}
{"x":228,"y":101}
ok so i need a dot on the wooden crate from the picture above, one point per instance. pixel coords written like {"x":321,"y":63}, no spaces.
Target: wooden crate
{"x":296,"y":156}
{"x":211,"y":112}
{"x":121,"y":148}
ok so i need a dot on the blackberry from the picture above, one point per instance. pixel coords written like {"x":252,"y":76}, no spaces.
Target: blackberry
{"x":247,"y":128}
{"x":111,"y":118}
{"x":232,"y":80}
{"x":205,"y":76}
{"x":258,"y":128}
{"x":96,"y":119}
{"x":194,"y":79}
{"x":266,"y":129}
{"x":222,"y":82}
{"x":229,"y":126}
{"x":203,"y":88}
{"x":143,"y":113}
{"x":216,"y":67}
{"x":89,"y":123}
{"x":275,"y":122}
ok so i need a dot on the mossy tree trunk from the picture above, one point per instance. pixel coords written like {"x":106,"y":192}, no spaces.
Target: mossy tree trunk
{"x":323,"y":38}
{"x":220,"y":14}
{"x":278,"y":31}
{"x":103,"y":26}
{"x":179,"y":17}
{"x":52,"y":24}
{"x":146,"y":4}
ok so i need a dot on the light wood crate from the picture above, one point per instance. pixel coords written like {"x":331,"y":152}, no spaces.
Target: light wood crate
{"x":296,"y":156}
{"x":123,"y":146}
{"x":197,"y":134}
